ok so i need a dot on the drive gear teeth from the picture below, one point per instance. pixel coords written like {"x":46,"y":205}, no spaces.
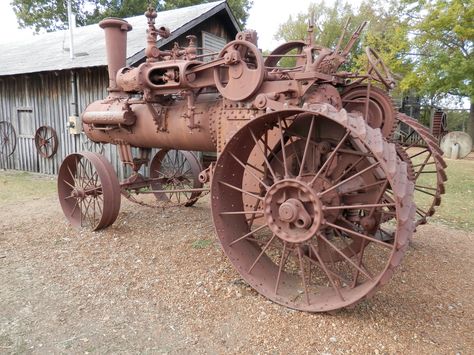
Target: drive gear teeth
{"x":438,"y":165}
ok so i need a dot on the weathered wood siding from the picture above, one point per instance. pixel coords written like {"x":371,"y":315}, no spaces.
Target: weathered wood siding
{"x":29,"y":101}
{"x":34,"y":100}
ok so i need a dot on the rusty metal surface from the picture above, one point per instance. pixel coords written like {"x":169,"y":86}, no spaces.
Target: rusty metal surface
{"x":427,"y":169}
{"x":175,"y":177}
{"x":89,"y":191}
{"x":311,"y":199}
{"x":439,"y":124}
{"x":320,"y":217}
{"x":46,"y":141}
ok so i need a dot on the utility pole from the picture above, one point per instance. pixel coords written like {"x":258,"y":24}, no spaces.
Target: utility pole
{"x":70,"y":21}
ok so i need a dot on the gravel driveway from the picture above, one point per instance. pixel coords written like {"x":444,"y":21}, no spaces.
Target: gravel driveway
{"x":157,"y":282}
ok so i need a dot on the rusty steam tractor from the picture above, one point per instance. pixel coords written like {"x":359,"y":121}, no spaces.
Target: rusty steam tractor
{"x":312,"y":197}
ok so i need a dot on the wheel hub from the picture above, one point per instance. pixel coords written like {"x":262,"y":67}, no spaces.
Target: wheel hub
{"x":79,"y":193}
{"x":293,"y":210}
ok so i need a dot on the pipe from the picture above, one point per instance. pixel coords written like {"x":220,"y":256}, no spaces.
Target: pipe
{"x":74,"y":103}
{"x":116,"y":45}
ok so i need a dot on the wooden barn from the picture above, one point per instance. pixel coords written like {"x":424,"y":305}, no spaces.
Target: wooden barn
{"x":40,"y":85}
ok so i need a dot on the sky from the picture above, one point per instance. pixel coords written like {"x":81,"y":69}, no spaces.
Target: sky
{"x":265,"y":17}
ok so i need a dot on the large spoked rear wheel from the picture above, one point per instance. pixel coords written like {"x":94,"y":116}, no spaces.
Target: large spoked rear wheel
{"x":173,"y":173}
{"x":312,"y":234}
{"x":89,"y":191}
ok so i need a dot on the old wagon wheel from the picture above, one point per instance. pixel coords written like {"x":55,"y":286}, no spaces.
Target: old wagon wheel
{"x":89,"y":190}
{"x":421,"y":150}
{"x":319,"y":243}
{"x":380,"y":110}
{"x":46,"y":141}
{"x":7,"y":139}
{"x":175,"y":171}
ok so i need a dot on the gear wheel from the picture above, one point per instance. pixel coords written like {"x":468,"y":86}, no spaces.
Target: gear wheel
{"x":382,"y":113}
{"x":427,"y":166}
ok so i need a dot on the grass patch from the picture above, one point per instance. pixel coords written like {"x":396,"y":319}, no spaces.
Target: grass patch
{"x":457,"y":205}
{"x":22,"y":186}
{"x":201,"y":243}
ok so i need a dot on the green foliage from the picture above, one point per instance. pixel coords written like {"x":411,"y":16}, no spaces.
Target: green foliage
{"x":443,"y":41}
{"x":51,"y":15}
{"x":328,"y":23}
{"x":201,"y":243}
{"x":239,"y":8}
{"x":385,"y":32}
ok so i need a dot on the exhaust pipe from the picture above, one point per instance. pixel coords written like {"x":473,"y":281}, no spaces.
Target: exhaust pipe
{"x":116,"y":44}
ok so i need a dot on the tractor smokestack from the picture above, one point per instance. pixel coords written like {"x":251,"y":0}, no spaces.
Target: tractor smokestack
{"x":116,"y":43}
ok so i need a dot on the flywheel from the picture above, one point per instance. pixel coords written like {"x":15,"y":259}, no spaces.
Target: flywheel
{"x":317,"y":237}
{"x":374,"y":104}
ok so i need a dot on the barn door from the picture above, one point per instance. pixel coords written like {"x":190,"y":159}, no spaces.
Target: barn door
{"x":27,"y":155}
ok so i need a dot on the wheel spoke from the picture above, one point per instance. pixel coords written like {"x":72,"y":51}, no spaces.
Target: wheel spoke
{"x":417,"y":154}
{"x":249,"y":171}
{"x":261,"y":253}
{"x":283,"y":151}
{"x":241,"y":212}
{"x":348,"y":179}
{"x":336,"y":249}
{"x":240,"y":190}
{"x":422,"y":166}
{"x":357,"y":234}
{"x":74,"y":208}
{"x":359,"y":207}
{"x":281,"y":266}
{"x":305,"y":152}
{"x":331,"y":156}
{"x":69,"y":184}
{"x":303,"y":277}
{"x":325,"y":269}
{"x":248,"y":234}
{"x":264,"y":155}
{"x":292,"y":143}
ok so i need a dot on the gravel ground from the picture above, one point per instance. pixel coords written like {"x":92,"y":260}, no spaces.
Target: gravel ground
{"x":157,"y":282}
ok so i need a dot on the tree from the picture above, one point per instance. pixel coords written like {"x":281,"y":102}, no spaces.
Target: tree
{"x":239,"y":8}
{"x":51,"y":15}
{"x":443,"y":44}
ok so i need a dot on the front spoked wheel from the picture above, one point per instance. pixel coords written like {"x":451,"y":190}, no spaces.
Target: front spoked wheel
{"x":89,"y":191}
{"x":310,"y":233}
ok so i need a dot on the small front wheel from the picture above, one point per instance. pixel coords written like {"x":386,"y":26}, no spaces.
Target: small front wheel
{"x":89,"y":191}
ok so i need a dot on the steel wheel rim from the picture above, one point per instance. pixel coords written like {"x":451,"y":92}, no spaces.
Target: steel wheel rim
{"x":251,"y":259}
{"x":422,"y":153}
{"x":175,"y":169}
{"x":89,"y":191}
{"x":46,"y":141}
{"x":7,"y":138}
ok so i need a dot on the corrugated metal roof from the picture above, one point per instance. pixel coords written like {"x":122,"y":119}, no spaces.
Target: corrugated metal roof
{"x":50,"y":51}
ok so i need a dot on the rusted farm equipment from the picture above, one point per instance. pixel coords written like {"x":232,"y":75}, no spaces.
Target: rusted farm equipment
{"x":7,"y":139}
{"x":46,"y":141}
{"x":311,"y":199}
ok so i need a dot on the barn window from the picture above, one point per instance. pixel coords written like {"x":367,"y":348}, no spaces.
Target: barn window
{"x":26,"y":124}
{"x":212,"y":43}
